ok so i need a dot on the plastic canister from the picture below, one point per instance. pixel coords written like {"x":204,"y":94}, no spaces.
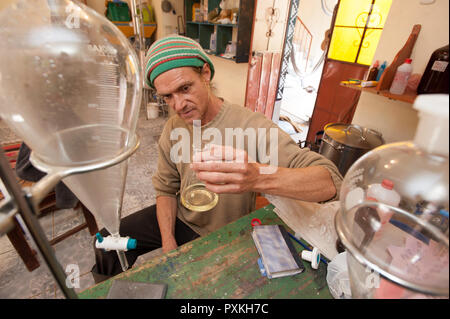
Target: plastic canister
{"x":213,"y":41}
{"x":384,"y":193}
{"x":381,"y":70}
{"x":401,"y":77}
{"x":152,"y":110}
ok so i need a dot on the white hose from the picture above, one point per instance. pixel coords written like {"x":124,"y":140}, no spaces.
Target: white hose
{"x":116,"y":243}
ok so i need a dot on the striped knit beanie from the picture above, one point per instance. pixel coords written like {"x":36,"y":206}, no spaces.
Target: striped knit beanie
{"x":173,"y":52}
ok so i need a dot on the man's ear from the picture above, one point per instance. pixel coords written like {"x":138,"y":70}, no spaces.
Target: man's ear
{"x":206,"y":72}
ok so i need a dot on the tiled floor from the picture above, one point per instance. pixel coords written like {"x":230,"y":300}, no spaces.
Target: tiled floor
{"x":17,"y":282}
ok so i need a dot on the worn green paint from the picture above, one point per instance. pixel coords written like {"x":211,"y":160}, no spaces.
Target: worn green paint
{"x":222,"y":264}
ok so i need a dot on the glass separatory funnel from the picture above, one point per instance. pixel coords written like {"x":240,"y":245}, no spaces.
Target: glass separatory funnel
{"x":393,"y":218}
{"x":70,"y":87}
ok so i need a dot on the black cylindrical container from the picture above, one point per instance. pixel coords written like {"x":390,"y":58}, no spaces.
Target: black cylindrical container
{"x":435,"y":79}
{"x":343,"y":143}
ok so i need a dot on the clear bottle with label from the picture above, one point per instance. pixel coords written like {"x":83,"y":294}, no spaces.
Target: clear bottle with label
{"x":384,"y":193}
{"x":401,"y":77}
{"x":435,"y":79}
{"x":213,"y":42}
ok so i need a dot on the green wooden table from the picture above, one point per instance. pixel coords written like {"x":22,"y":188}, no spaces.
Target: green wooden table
{"x":222,"y":264}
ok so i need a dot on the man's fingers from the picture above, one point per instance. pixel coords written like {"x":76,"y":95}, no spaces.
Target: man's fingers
{"x":221,"y":178}
{"x":221,"y":153}
{"x":225,"y":188}
{"x":217,"y":166}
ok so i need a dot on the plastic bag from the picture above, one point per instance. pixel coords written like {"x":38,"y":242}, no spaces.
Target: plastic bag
{"x":337,"y":277}
{"x":313,"y":222}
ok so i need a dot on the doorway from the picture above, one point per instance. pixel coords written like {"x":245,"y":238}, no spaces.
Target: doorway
{"x":306,"y":61}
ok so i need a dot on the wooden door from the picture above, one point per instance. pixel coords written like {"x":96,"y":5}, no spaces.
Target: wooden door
{"x":334,"y":103}
{"x":262,"y":82}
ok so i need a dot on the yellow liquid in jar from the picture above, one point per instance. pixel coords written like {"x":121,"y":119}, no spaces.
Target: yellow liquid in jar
{"x":198,"y":198}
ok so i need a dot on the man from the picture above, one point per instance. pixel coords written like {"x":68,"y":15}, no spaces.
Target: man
{"x":181,"y":73}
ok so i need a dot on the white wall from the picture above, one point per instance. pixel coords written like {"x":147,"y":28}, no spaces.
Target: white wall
{"x":97,"y":5}
{"x":230,"y":79}
{"x":396,"y":120}
{"x":167,"y":22}
{"x":317,"y":22}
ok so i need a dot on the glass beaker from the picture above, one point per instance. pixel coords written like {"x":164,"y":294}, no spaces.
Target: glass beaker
{"x":195,"y":196}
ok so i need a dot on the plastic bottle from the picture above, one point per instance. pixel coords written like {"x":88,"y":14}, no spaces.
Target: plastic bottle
{"x":381,"y":70}
{"x":213,"y":42}
{"x":372,"y":76}
{"x":401,"y":77}
{"x":435,"y":79}
{"x":384,"y":193}
{"x":152,"y":110}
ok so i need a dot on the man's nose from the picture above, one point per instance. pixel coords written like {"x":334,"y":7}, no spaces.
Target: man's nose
{"x":178,"y":102}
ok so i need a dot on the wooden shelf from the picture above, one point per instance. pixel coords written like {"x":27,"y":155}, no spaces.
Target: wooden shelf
{"x":201,"y":31}
{"x":219,"y":55}
{"x":214,"y":24}
{"x":408,"y":97}
{"x":128,"y":30}
{"x":387,"y":77}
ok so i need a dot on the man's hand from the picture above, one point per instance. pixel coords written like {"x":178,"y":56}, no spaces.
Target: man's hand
{"x":169,"y":244}
{"x":166,"y":212}
{"x":224,"y":169}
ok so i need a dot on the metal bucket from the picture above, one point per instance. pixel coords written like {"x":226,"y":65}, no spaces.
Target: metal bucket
{"x":343,"y":144}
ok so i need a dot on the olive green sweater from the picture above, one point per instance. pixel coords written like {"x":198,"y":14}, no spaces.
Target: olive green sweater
{"x":172,"y":177}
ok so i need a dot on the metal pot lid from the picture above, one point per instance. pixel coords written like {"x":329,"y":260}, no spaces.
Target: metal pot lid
{"x":354,"y":135}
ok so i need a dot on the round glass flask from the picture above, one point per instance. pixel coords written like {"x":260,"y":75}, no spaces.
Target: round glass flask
{"x":398,"y":245}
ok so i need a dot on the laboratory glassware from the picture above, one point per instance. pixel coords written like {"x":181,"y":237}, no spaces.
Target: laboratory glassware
{"x":399,"y":249}
{"x":70,"y":87}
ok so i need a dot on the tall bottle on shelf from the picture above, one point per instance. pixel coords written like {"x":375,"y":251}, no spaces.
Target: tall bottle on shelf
{"x":435,"y":79}
{"x":373,"y":72}
{"x":381,"y":70}
{"x":401,"y":77}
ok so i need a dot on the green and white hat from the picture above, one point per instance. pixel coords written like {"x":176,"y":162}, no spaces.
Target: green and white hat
{"x":173,"y":52}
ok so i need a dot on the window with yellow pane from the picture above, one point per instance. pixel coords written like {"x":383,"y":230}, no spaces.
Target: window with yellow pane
{"x":357,"y":30}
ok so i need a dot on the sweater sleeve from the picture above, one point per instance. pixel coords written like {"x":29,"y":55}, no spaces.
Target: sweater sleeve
{"x":290,"y":155}
{"x":166,"y":180}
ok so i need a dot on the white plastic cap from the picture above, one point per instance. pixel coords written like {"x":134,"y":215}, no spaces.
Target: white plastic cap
{"x":312,"y":256}
{"x":432,"y":130}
